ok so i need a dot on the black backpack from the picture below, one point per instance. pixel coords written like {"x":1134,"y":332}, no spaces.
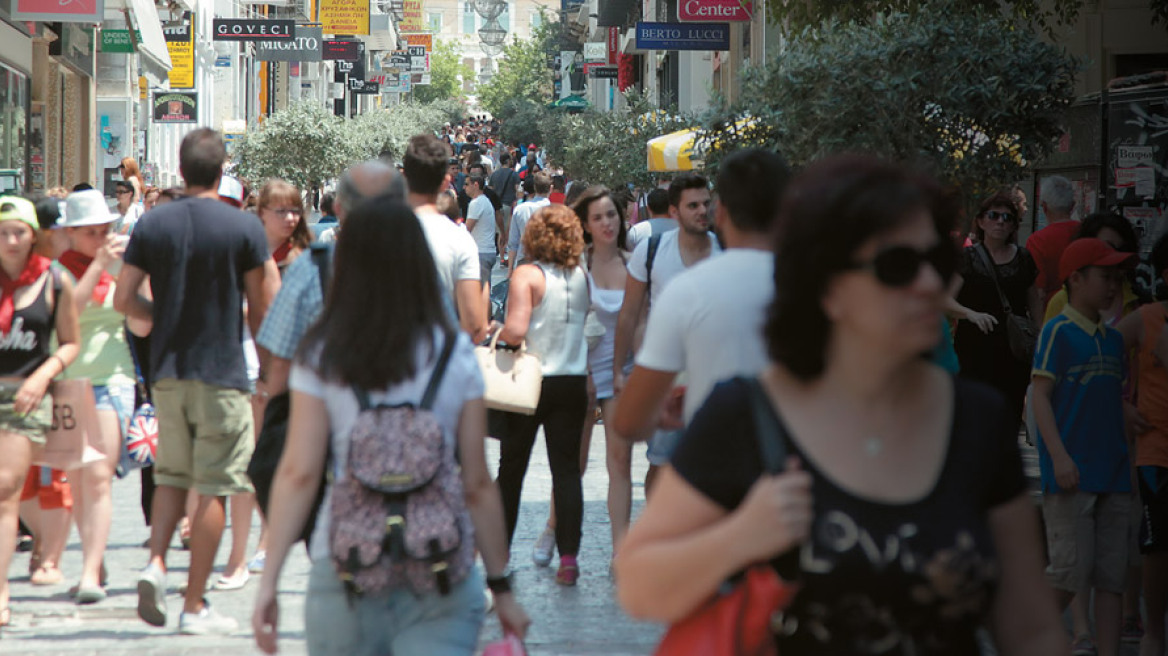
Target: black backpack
{"x":269,"y":446}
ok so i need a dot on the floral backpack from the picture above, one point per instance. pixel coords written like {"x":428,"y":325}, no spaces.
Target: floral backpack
{"x":398,"y":515}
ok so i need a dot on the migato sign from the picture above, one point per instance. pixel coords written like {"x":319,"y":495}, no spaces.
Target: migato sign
{"x":715,"y":10}
{"x":246,"y":29}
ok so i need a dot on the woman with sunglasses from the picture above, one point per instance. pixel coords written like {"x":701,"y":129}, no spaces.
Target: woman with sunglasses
{"x":903,"y":510}
{"x":982,"y":341}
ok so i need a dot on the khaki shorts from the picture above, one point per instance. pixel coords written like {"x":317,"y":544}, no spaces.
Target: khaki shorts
{"x":33,"y":425}
{"x":205,"y":437}
{"x":1087,"y":536}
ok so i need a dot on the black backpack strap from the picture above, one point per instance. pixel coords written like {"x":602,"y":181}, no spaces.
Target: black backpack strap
{"x":654,"y":243}
{"x":770,"y":432}
{"x":362,"y":398}
{"x":439,"y":372}
{"x":322,"y":257}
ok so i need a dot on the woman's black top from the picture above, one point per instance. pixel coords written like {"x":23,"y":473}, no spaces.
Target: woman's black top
{"x":26,"y":345}
{"x":910,"y":579}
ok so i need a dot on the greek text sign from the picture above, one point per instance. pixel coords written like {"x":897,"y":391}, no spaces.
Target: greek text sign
{"x":247,"y":29}
{"x":720,"y":10}
{"x":174,"y":107}
{"x":683,"y":36}
{"x":345,"y":16}
{"x":304,"y":46}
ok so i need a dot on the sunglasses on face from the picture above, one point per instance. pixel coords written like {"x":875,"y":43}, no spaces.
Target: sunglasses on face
{"x":898,"y":266}
{"x":1006,"y":217}
{"x":120,"y":192}
{"x":281,"y":211}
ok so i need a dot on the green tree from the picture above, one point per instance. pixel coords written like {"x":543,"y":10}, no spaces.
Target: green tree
{"x":388,"y":130}
{"x":523,"y":70}
{"x":446,"y":69}
{"x":960,"y":92}
{"x":305,"y":144}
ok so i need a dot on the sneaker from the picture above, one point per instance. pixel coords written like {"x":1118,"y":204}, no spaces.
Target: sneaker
{"x":152,"y":595}
{"x":256,"y":564}
{"x":545,"y":547}
{"x":232,"y":582}
{"x":1083,"y":646}
{"x":89,"y":595}
{"x":206,"y":622}
{"x":569,"y":571}
{"x":1133,"y":629}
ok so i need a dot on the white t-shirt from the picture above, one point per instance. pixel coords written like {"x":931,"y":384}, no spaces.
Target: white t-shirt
{"x":462,"y":382}
{"x":708,"y":323}
{"x":643,"y":230}
{"x":482,"y":211}
{"x":666,"y":263}
{"x":455,"y":253}
{"x":523,"y":212}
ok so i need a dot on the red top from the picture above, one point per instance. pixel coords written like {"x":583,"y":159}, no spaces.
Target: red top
{"x":556,"y":198}
{"x":1046,"y":247}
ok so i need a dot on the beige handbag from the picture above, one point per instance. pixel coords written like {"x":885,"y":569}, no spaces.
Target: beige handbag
{"x":513,"y":379}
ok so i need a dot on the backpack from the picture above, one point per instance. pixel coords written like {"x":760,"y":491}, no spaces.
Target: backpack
{"x":398,"y":515}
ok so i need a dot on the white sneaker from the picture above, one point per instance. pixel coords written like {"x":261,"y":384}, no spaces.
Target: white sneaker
{"x":152,"y":595}
{"x":545,"y":547}
{"x":256,"y":564}
{"x":206,"y":622}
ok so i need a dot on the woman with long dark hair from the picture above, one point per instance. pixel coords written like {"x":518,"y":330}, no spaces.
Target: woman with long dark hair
{"x":903,"y":509}
{"x":385,"y":341}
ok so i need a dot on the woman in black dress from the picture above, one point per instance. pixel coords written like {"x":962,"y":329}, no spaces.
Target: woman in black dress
{"x":983,"y":347}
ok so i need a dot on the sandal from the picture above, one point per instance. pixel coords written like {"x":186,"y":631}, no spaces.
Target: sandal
{"x":45,"y":576}
{"x":5,"y":617}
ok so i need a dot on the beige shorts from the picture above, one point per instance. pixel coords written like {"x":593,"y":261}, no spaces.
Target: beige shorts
{"x":205,"y":437}
{"x":1087,"y":536}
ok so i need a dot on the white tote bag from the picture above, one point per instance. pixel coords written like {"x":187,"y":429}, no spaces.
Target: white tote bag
{"x":513,"y":378}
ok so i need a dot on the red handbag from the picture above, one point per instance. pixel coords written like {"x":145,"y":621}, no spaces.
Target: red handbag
{"x":738,"y":622}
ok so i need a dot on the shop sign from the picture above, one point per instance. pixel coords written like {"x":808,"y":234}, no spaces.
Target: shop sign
{"x":180,"y":32}
{"x":595,"y":52}
{"x":344,"y":16}
{"x":357,"y":85}
{"x":683,"y":36}
{"x":303,"y":47}
{"x":119,"y":42}
{"x":413,"y":16}
{"x":603,"y":72}
{"x":171,"y":107}
{"x":250,"y":29}
{"x":424,"y":39}
{"x":613,"y":42}
{"x":75,"y":47}
{"x":182,"y":64}
{"x":333,"y":49}
{"x":715,"y":10}
{"x":73,"y":11}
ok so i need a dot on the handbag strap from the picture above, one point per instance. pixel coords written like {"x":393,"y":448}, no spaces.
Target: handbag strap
{"x":985,"y":258}
{"x":431,"y":387}
{"x":143,"y":391}
{"x":771,"y":433}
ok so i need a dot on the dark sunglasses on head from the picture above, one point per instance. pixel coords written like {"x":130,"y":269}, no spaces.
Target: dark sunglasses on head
{"x":898,"y":266}
{"x":994,"y":215}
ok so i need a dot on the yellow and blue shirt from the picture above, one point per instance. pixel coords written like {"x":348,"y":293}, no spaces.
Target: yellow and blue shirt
{"x":1085,"y":361}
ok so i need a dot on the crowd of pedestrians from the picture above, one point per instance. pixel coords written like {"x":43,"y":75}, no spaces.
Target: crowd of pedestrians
{"x":778,"y":340}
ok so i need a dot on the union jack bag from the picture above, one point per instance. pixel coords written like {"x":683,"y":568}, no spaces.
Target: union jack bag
{"x":141,"y":438}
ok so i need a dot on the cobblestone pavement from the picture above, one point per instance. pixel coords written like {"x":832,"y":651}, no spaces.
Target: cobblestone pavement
{"x":580,"y":621}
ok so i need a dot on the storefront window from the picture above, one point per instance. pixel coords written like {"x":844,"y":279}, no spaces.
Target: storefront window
{"x":13,"y":124}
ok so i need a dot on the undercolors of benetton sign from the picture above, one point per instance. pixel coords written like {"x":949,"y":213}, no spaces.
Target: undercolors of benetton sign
{"x":683,"y":36}
{"x":247,"y":29}
{"x":718,"y":10}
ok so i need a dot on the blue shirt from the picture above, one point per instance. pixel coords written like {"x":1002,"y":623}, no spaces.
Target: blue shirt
{"x":1085,"y":361}
{"x":296,"y":306}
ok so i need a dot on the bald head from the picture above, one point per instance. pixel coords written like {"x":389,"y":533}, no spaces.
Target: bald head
{"x":366,"y":180}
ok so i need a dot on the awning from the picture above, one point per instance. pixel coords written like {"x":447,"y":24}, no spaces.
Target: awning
{"x":571,"y":103}
{"x":616,"y":13}
{"x":672,"y":152}
{"x":152,"y":53}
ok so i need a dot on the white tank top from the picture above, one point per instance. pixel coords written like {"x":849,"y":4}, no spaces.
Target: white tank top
{"x":556,"y":331}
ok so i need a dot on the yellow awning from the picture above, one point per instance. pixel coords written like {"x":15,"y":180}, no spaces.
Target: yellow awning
{"x":672,"y":152}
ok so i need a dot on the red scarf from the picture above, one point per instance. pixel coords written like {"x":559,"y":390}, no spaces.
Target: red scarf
{"x":282,"y":252}
{"x":77,"y":264}
{"x":36,"y":267}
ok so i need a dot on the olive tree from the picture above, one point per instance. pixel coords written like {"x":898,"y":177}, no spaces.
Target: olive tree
{"x":304,"y":144}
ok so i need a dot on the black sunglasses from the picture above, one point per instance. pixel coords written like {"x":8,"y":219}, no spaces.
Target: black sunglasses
{"x":994,"y":215}
{"x":898,"y":266}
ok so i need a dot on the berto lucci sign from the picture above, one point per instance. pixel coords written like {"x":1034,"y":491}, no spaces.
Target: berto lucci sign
{"x":715,"y":10}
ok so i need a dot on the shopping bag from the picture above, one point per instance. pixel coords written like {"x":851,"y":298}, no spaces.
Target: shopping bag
{"x":75,"y":425}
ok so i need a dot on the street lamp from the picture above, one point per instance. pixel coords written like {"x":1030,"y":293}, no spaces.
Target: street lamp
{"x":489,"y":9}
{"x":492,"y":34}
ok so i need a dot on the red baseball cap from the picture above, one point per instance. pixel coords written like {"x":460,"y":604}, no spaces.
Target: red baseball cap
{"x":1087,"y":252}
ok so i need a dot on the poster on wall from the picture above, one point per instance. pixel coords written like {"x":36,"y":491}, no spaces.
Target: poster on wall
{"x":181,"y":47}
{"x":572,"y":73}
{"x":172,"y":107}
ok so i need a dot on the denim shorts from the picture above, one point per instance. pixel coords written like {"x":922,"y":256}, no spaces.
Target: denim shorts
{"x":119,"y":398}
{"x":661,"y":446}
{"x":399,"y":623}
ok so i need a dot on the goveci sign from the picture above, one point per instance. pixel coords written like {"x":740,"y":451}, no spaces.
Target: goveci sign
{"x":247,"y":29}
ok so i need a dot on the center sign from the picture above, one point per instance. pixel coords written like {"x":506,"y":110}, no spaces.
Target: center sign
{"x":715,"y":10}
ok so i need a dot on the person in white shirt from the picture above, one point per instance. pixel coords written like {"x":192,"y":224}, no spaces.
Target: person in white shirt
{"x":658,"y":222}
{"x":707,"y":325}
{"x":650,"y":275}
{"x":455,"y":253}
{"x":542,"y":184}
{"x":480,"y":221}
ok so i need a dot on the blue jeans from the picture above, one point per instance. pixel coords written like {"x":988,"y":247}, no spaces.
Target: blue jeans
{"x":395,"y":624}
{"x":119,"y":398}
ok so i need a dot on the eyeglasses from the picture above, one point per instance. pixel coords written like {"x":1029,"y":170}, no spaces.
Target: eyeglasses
{"x":898,"y":266}
{"x":285,"y":210}
{"x":994,"y":215}
{"x":119,"y":192}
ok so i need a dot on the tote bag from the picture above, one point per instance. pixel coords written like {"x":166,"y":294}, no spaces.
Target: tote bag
{"x":75,"y":425}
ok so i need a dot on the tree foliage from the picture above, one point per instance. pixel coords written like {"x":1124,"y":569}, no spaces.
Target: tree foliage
{"x":523,"y":72}
{"x":959,"y":91}
{"x":304,"y":144}
{"x":389,"y":129}
{"x":446,"y":74}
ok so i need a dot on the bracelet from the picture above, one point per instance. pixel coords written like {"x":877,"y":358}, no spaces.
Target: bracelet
{"x":499,"y":584}
{"x":62,"y":362}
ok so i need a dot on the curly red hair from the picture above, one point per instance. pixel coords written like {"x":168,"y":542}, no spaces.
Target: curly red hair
{"x":554,"y":235}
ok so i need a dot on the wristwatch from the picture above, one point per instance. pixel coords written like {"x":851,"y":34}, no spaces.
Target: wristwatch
{"x":499,"y":584}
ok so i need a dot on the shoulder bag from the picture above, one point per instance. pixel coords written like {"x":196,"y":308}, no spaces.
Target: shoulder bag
{"x":1020,"y":331}
{"x":141,"y":438}
{"x":738,"y":620}
{"x":513,"y":378}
